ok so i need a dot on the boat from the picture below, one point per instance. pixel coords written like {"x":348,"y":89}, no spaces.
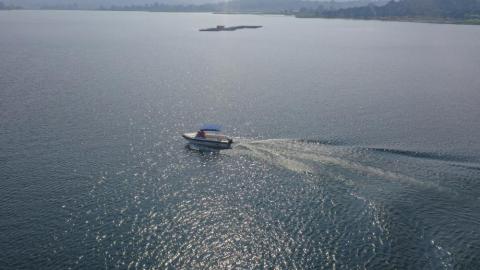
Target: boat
{"x":209,"y":136}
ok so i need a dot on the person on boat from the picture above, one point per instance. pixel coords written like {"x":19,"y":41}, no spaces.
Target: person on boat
{"x":201,"y":134}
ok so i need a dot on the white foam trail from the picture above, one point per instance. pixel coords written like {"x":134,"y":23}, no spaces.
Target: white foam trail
{"x":276,"y":159}
{"x":295,"y":156}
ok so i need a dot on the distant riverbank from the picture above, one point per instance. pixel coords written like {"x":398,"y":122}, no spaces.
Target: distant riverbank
{"x":472,"y":21}
{"x":403,"y":19}
{"x":426,"y":11}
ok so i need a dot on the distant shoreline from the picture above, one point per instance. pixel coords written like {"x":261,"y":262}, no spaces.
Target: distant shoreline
{"x":297,"y":16}
{"x":402,"y":19}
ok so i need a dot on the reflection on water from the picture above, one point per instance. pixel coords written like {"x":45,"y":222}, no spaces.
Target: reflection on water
{"x":280,"y":203}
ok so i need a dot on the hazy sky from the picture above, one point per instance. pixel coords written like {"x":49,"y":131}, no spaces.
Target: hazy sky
{"x":96,"y":3}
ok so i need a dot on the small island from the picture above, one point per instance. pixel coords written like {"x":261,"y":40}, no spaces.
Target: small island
{"x":230,"y":28}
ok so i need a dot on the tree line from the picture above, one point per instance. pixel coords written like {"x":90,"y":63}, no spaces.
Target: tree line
{"x":435,"y":9}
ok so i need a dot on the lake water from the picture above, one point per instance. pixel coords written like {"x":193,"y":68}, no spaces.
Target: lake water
{"x":357,"y":143}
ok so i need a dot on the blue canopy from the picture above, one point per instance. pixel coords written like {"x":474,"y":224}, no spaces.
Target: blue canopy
{"x":211,"y":127}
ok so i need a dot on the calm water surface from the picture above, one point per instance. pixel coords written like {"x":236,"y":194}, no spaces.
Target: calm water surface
{"x":357,"y":143}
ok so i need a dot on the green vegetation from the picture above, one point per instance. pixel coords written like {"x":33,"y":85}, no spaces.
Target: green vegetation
{"x":446,"y":11}
{"x":472,"y":21}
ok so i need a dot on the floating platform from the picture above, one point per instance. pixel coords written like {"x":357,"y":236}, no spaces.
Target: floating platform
{"x":230,"y":28}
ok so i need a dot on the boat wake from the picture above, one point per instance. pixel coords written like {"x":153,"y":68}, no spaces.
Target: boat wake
{"x":315,"y":157}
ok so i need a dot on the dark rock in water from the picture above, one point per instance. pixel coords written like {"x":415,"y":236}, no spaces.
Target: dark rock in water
{"x":231,"y":28}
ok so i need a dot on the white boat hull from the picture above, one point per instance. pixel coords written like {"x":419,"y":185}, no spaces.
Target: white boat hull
{"x":214,"y":142}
